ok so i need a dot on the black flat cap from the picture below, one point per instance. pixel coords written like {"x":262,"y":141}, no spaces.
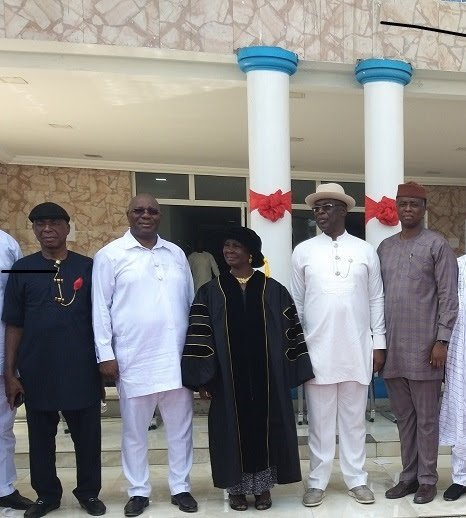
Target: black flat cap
{"x":48,"y":210}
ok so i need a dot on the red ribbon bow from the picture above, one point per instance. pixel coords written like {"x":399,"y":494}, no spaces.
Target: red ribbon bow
{"x":271,"y":207}
{"x":384,"y":210}
{"x":78,"y":284}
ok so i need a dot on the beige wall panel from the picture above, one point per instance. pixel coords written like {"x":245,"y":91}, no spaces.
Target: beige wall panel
{"x":341,"y":31}
{"x":96,"y":201}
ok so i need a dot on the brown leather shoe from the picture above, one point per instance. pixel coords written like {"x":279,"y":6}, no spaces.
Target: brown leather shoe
{"x":425,"y":494}
{"x":402,"y":489}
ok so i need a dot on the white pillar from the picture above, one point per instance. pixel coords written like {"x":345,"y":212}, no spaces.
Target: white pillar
{"x":384,"y":82}
{"x":268,"y":70}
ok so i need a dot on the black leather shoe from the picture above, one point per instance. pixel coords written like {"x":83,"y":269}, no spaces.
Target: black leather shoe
{"x":185,"y":502}
{"x":402,"y":489}
{"x":136,"y":505}
{"x":40,"y":508}
{"x":16,"y":501}
{"x":454,"y":492}
{"x":425,"y":494}
{"x":93,"y":506}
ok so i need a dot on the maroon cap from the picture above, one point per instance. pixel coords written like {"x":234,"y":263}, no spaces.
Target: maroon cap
{"x":411,"y":190}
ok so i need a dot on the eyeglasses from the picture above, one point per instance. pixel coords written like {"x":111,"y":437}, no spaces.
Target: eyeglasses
{"x":326,"y":207}
{"x":139,"y":211}
{"x":416,"y":204}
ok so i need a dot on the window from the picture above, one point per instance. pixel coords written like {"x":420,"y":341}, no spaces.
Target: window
{"x":222,"y":188}
{"x":163,"y":185}
{"x":300,"y":189}
{"x":355,"y":190}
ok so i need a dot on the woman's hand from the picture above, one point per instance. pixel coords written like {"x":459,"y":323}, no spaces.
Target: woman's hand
{"x":203,"y":392}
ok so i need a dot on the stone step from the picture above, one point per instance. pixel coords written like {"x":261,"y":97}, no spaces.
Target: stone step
{"x":381,"y":441}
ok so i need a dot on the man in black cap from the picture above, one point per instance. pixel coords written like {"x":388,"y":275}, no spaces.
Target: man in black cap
{"x":49,"y":341}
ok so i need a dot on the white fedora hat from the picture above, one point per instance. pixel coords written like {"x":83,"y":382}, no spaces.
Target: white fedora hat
{"x":330,"y":191}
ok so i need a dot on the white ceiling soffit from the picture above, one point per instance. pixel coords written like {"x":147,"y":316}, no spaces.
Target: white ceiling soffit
{"x":150,"y":109}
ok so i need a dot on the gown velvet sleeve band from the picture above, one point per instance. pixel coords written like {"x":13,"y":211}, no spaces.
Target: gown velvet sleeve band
{"x":297,"y":356}
{"x":199,"y":361}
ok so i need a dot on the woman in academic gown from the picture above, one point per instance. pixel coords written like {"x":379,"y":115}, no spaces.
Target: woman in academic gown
{"x":244,"y":351}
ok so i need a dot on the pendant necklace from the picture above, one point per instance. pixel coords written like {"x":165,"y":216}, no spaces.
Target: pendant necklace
{"x":243,"y":280}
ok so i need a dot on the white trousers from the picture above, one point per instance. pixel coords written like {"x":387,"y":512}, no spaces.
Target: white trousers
{"x":7,"y":444}
{"x":176,"y":409}
{"x":345,"y":402}
{"x":458,"y":464}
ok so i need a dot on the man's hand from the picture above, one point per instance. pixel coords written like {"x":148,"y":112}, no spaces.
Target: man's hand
{"x":109,"y":370}
{"x":378,"y":360}
{"x":438,"y":356}
{"x":12,"y":388}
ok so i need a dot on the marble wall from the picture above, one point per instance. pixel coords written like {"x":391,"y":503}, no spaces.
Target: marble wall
{"x":447,"y":214}
{"x":96,"y":201}
{"x":317,"y":30}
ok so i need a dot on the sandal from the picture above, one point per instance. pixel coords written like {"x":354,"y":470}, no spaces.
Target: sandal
{"x":238,"y":502}
{"x":263,"y":501}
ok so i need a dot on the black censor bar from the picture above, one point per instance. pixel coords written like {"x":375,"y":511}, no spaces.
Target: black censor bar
{"x":29,"y":271}
{"x":423,"y":28}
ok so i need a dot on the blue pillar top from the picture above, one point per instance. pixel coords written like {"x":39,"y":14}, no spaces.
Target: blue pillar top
{"x":392,"y":70}
{"x":267,"y":58}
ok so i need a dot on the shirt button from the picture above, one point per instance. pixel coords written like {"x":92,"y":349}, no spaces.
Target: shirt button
{"x":337,"y":273}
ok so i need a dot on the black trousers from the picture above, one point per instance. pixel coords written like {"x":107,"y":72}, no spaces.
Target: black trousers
{"x":84,"y":427}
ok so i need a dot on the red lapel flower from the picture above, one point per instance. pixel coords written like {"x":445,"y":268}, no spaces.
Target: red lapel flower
{"x":78,"y":284}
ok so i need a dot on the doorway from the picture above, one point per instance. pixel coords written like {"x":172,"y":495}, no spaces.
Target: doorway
{"x":184,"y":225}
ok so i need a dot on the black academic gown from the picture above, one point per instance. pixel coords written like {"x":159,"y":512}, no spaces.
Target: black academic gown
{"x":248,"y":350}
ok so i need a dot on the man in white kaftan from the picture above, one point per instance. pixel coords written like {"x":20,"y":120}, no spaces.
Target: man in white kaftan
{"x":338,"y":292}
{"x":453,"y":410}
{"x":142,"y":293}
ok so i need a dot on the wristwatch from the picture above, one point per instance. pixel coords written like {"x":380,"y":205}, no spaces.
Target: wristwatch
{"x":444,"y":342}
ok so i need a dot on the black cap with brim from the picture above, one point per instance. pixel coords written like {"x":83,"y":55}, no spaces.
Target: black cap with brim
{"x":250,"y":240}
{"x":48,"y":210}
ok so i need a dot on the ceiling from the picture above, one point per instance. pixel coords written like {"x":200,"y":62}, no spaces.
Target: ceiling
{"x":143,"y":109}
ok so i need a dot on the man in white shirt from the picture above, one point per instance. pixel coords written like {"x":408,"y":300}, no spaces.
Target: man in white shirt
{"x":142,"y":292}
{"x":9,"y":497}
{"x":202,"y":265}
{"x":338,"y":292}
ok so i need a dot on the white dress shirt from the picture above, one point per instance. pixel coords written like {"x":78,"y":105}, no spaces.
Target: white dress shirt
{"x":9,"y":254}
{"x":338,"y":291}
{"x":140,"y":301}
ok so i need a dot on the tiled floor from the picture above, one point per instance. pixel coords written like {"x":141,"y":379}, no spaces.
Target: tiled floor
{"x":383,"y":471}
{"x":286,"y":499}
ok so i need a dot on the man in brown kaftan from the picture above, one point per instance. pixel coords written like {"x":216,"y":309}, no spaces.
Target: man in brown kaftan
{"x":419,"y":272}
